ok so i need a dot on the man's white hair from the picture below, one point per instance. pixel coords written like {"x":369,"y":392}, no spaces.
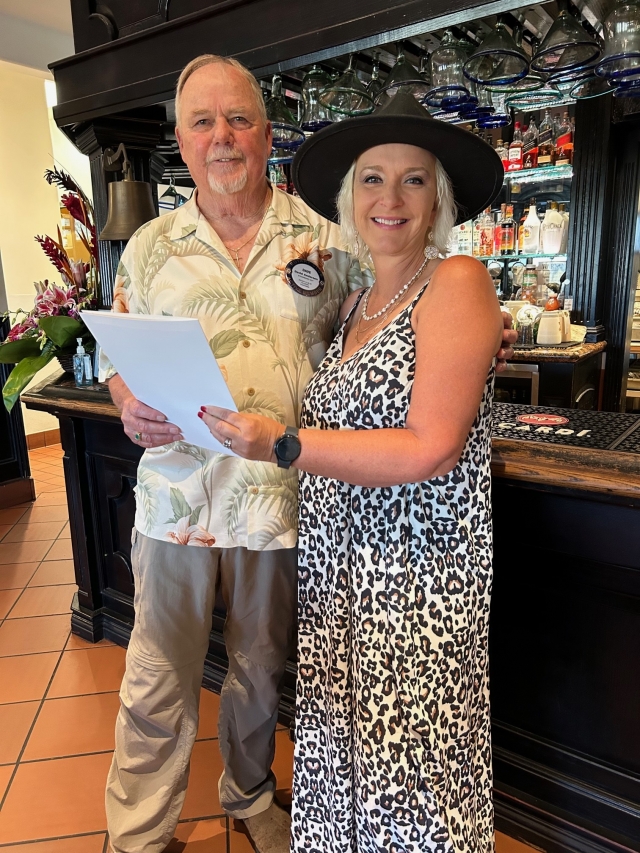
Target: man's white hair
{"x":445,"y":219}
{"x":212,"y":59}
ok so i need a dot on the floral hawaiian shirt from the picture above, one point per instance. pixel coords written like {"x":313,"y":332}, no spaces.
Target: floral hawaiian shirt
{"x":267,"y":338}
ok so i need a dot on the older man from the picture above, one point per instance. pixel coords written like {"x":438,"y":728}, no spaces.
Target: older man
{"x":206,"y":521}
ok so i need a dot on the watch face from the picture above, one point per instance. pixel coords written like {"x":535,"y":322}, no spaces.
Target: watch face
{"x":288,"y":448}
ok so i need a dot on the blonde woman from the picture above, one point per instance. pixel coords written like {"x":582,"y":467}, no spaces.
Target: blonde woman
{"x":393,"y":734}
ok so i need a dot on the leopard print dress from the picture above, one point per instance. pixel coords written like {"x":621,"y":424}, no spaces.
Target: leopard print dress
{"x":393,"y":741}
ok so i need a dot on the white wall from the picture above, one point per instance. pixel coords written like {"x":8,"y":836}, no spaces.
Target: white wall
{"x":30,"y":143}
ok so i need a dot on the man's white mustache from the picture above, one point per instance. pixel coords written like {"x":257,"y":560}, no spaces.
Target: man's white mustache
{"x":224,"y":154}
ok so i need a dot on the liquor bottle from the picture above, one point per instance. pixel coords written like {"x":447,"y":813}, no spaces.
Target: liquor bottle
{"x":551,"y":230}
{"x":564,"y":142}
{"x":483,"y":235}
{"x":546,"y":146}
{"x":521,"y":230}
{"x":465,"y":238}
{"x":565,"y":229}
{"x":530,"y":146}
{"x":531,"y":229}
{"x":508,"y":232}
{"x":515,"y":150}
{"x":497,"y":230}
{"x":503,"y":153}
{"x":278,"y":177}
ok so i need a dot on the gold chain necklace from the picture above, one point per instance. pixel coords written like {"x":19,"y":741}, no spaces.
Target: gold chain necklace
{"x":236,"y":251}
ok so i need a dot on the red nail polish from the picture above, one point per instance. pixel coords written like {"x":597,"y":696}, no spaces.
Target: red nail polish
{"x":203,"y":409}
{"x":200,"y":414}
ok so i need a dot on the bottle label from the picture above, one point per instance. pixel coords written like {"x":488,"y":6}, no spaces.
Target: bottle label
{"x":530,"y":155}
{"x":563,"y":141}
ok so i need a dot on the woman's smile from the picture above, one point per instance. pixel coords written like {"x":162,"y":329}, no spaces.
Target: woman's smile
{"x":388,"y":224}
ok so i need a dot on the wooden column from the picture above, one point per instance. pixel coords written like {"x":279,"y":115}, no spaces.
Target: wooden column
{"x":588,"y":224}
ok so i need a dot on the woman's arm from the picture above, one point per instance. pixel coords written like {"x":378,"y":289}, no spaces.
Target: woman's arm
{"x":452,"y":363}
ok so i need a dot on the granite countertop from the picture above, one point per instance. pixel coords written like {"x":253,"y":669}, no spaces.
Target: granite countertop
{"x":568,"y":354}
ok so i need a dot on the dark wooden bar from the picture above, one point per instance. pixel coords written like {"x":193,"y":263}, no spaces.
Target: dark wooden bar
{"x":565,"y":622}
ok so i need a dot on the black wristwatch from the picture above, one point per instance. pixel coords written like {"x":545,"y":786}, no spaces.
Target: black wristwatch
{"x":287,"y":448}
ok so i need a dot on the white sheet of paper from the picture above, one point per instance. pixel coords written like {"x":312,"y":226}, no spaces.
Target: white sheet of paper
{"x":167,"y":363}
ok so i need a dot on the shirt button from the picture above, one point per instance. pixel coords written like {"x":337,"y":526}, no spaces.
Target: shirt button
{"x":254,"y":490}
{"x":246,"y":343}
{"x":242,"y":294}
{"x":251,"y":391}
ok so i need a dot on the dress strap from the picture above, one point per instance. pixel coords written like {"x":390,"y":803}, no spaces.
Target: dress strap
{"x":354,"y":306}
{"x":416,"y":298}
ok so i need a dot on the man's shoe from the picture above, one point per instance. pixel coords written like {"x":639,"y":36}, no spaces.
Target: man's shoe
{"x":269,"y":831}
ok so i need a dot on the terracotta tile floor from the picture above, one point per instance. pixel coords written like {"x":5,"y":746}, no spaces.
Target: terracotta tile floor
{"x":59,"y":699}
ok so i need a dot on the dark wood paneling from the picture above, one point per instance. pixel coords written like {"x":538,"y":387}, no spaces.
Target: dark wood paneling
{"x":565,"y":636}
{"x":264,"y":34}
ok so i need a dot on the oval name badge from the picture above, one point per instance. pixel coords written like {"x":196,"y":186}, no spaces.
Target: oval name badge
{"x":304,"y":277}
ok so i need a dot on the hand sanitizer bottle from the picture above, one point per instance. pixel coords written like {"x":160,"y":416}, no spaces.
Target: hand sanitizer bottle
{"x":82,"y":367}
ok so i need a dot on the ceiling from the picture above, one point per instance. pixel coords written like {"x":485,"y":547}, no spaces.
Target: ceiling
{"x":54,"y":14}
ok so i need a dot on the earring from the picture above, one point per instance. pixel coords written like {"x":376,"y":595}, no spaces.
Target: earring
{"x":430,"y":251}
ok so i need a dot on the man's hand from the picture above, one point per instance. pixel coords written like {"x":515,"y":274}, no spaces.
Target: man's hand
{"x":145,"y":426}
{"x":508,"y":340}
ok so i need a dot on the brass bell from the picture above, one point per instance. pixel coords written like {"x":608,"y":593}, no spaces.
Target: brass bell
{"x":130,"y":202}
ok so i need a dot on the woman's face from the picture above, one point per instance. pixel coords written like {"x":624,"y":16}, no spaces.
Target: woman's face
{"x":394,"y":198}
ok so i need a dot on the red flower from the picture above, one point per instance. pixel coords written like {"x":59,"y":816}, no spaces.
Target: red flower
{"x":20,"y":329}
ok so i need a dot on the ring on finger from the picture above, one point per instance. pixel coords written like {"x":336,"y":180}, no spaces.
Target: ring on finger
{"x":227,"y":443}
{"x":138,"y":436}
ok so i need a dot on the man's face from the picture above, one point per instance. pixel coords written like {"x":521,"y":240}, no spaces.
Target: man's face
{"x":222,"y":137}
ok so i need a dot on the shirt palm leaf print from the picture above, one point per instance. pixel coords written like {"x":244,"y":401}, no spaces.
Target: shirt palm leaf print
{"x":267,"y":339}
{"x":263,"y":487}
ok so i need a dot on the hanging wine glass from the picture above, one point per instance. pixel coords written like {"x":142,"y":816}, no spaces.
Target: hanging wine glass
{"x":567,"y":45}
{"x":500,"y":117}
{"x":497,"y":59}
{"x":172,"y":193}
{"x":546,"y":96}
{"x":315,"y":115}
{"x":590,"y":87}
{"x":627,"y":88}
{"x":404,"y":77}
{"x":374,"y":86}
{"x":347,"y":96}
{"x":621,"y":58}
{"x":565,"y":80}
{"x":485,"y":102}
{"x":286,"y":133}
{"x":449,"y":84}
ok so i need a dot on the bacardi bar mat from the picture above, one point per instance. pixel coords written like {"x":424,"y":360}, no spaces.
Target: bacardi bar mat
{"x":568,"y":427}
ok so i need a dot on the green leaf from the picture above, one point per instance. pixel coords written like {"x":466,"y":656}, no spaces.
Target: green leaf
{"x":195,"y":515}
{"x":224,"y":343}
{"x":12,"y":352}
{"x":62,"y":330}
{"x":179,"y":505}
{"x":22,"y":374}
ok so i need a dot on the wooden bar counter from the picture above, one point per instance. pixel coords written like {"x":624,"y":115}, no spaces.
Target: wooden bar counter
{"x":565,"y":622}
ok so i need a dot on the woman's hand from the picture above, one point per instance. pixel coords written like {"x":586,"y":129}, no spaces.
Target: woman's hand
{"x":509,"y":338}
{"x":251,"y":436}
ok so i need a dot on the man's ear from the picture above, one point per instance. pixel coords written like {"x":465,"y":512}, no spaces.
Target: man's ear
{"x":179,"y":138}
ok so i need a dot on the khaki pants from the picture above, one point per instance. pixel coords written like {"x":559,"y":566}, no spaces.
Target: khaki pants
{"x":175,"y":588}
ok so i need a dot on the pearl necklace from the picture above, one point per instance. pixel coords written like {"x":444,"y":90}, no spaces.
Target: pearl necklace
{"x":365,"y":299}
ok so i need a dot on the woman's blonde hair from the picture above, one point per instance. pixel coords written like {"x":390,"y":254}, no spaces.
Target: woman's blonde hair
{"x":445,"y":219}
{"x":229,"y":62}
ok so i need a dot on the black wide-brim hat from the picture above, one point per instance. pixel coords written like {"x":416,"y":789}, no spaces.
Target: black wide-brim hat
{"x":320,"y":164}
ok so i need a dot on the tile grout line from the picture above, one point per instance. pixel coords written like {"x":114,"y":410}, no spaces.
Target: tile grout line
{"x":29,"y":733}
{"x":52,"y":838}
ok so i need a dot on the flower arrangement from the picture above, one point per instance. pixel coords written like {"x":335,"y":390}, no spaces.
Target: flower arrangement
{"x":51,"y":327}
